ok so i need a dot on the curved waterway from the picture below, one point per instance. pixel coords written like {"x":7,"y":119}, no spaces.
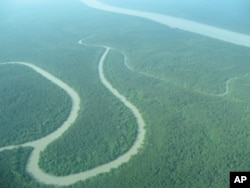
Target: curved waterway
{"x":179,"y":23}
{"x":41,"y":144}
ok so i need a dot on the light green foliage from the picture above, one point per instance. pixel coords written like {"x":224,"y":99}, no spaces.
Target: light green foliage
{"x":192,"y":131}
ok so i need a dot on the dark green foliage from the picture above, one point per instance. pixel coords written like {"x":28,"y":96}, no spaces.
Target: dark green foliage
{"x":31,"y":106}
{"x":13,"y":170}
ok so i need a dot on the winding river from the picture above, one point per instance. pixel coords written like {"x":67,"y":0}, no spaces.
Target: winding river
{"x":40,"y":144}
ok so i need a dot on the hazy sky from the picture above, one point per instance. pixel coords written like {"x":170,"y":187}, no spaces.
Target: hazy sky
{"x":233,"y":14}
